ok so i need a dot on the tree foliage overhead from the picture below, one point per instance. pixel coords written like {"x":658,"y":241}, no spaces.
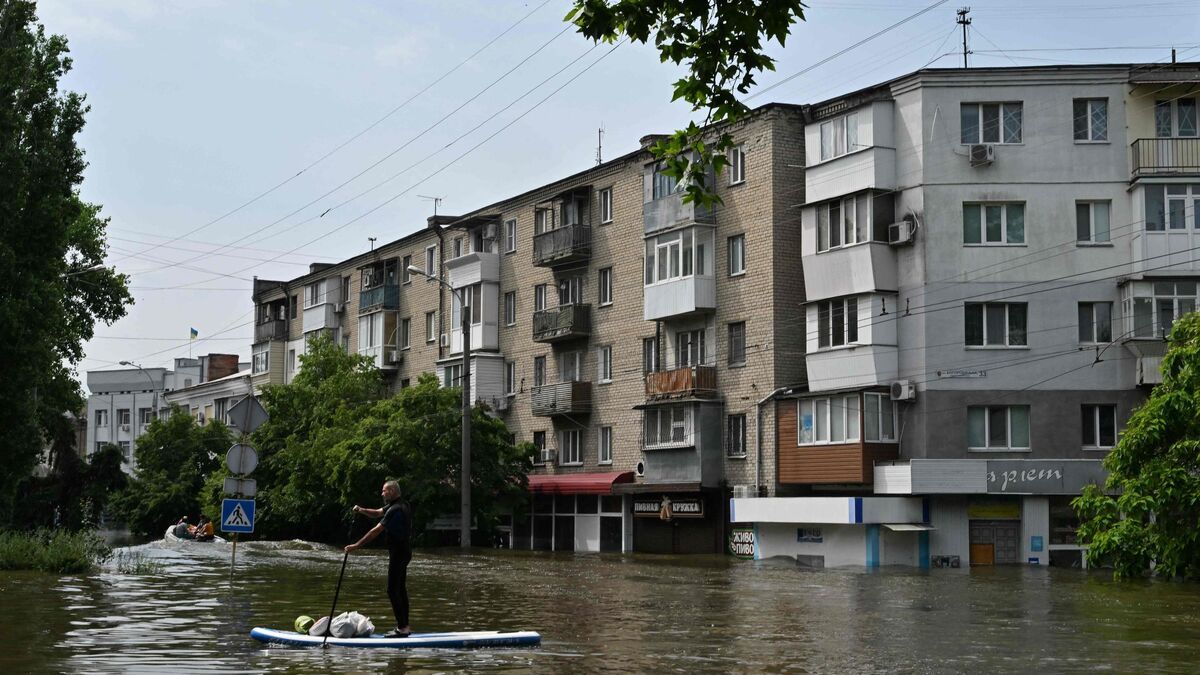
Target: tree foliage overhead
{"x":52,"y":290}
{"x":721,"y":44}
{"x":1151,"y":514}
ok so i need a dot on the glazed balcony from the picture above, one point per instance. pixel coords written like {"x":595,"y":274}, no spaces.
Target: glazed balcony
{"x":562,"y":246}
{"x":1166,"y":157}
{"x":686,"y":382}
{"x":563,"y":398}
{"x":386,"y":296}
{"x":565,"y":322}
{"x":272,"y":329}
{"x":670,"y":211}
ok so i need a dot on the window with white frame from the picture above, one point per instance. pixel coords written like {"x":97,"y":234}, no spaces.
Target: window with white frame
{"x":370,"y":331}
{"x":101,"y":418}
{"x":604,"y":446}
{"x":1095,"y":322}
{"x":1154,"y":316}
{"x":1099,"y":426}
{"x":844,"y":222}
{"x":649,"y":355}
{"x":668,"y":426}
{"x":735,"y":435}
{"x":458,"y":247}
{"x":837,"y":322}
{"x":539,"y":297}
{"x":539,"y":371}
{"x":570,"y":290}
{"x":570,"y":447}
{"x":737,"y":255}
{"x":405,"y":332}
{"x":737,"y":164}
{"x":827,"y":420}
{"x":879,"y":418}
{"x":994,"y":224}
{"x":679,"y":254}
{"x":1092,"y":222}
{"x":737,"y":343}
{"x":604,"y":290}
{"x":260,"y":358}
{"x":405,"y":275}
{"x":123,"y":416}
{"x":431,"y":260}
{"x":314,"y":293}
{"x":997,"y":123}
{"x":996,"y":324}
{"x":839,"y":136}
{"x":1090,"y":119}
{"x":510,"y":377}
{"x":691,"y":348}
{"x":998,"y":427}
{"x":510,"y":308}
{"x":542,"y":221}
{"x":1168,"y":206}
{"x":430,"y":326}
{"x":662,"y":185}
{"x":452,"y":375}
{"x":145,"y":416}
{"x":473,"y":297}
{"x":126,"y":450}
{"x":1175,"y":117}
{"x":510,"y":235}
{"x":606,"y":206}
{"x":570,"y":366}
{"x":604,"y":364}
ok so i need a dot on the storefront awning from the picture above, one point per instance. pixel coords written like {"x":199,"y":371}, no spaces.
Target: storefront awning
{"x":665,"y":488}
{"x":908,"y":527}
{"x":578,"y":483}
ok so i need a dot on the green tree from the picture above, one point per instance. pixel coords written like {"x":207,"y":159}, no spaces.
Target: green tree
{"x":52,"y":288}
{"x":721,"y":44}
{"x":174,"y":458}
{"x":1148,"y":514}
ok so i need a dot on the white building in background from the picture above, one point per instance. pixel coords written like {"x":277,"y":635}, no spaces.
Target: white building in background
{"x":212,"y":400}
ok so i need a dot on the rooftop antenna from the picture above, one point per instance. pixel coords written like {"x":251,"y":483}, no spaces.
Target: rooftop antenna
{"x":436,"y":202}
{"x":372,"y":240}
{"x":599,"y":144}
{"x":964,"y":21}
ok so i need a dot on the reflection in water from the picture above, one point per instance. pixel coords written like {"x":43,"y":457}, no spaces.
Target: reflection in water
{"x":611,"y":612}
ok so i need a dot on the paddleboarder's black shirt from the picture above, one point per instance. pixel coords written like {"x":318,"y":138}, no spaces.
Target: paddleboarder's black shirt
{"x":396,"y":521}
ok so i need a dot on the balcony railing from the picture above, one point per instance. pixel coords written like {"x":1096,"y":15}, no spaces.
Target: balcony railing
{"x":567,"y":244}
{"x":272,"y":329}
{"x":563,"y":398}
{"x":386,"y":296}
{"x":1166,"y":156}
{"x":698,"y":381}
{"x":562,"y":323}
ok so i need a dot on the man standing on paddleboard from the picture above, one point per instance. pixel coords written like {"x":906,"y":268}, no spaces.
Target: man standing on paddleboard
{"x":396,"y":521}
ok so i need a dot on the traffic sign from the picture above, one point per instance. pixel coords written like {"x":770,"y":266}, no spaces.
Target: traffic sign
{"x":247,"y":415}
{"x":241,"y":459}
{"x":237,"y":515}
{"x":242,"y":487}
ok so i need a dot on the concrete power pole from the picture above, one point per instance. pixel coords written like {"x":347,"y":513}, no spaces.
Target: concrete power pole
{"x":964,"y":21}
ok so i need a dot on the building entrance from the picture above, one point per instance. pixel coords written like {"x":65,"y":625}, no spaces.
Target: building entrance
{"x":995,"y":542}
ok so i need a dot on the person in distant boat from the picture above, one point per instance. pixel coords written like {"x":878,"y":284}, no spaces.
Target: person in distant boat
{"x":395,"y":519}
{"x":182,"y":529}
{"x":204,"y":530}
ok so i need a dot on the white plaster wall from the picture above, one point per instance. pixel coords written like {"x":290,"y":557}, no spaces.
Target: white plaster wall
{"x":843,"y":545}
{"x":1035,"y":522}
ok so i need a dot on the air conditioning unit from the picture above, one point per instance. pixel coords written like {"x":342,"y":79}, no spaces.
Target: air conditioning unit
{"x":744,"y":492}
{"x":124,"y":427}
{"x":902,"y":232}
{"x":904,"y":390}
{"x":547,"y":455}
{"x":339,"y":307}
{"x":499,"y":403}
{"x":200,"y":418}
{"x":445,"y":339}
{"x":982,"y":154}
{"x":393,"y":356}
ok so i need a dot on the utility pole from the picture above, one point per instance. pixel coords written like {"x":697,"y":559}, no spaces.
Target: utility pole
{"x":964,"y":21}
{"x":599,"y":144}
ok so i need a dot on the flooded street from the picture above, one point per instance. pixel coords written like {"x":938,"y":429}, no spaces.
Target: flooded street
{"x":596,"y":612}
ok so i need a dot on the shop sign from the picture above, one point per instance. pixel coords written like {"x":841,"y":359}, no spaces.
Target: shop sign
{"x":666,"y":508}
{"x":1025,"y":476}
{"x":809,"y":535}
{"x":993,"y":509}
{"x":741,"y":542}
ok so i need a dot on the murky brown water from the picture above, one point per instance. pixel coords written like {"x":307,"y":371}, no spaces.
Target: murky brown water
{"x":597,"y":612}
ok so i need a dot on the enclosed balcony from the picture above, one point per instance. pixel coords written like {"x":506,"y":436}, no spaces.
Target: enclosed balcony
{"x":565,"y":322}
{"x":563,"y":398}
{"x":473,"y":268}
{"x":686,"y":382}
{"x":1166,"y":157}
{"x":271,"y":329}
{"x":562,"y":246}
{"x":386,"y":296}
{"x":669,"y":211}
{"x":321,"y":316}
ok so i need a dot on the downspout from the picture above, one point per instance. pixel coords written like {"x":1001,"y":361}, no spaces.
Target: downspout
{"x":758,"y":486}
{"x":441,"y":234}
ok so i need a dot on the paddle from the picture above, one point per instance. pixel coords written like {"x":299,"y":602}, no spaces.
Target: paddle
{"x":338,"y":590}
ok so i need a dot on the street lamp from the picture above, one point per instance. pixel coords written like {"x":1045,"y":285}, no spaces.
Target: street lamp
{"x":153,"y":386}
{"x":93,"y":268}
{"x":465,"y":525}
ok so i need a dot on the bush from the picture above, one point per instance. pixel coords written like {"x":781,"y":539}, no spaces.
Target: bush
{"x":57,"y":552}
{"x":136,"y":562}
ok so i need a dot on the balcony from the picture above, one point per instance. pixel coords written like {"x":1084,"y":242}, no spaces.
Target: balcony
{"x":386,"y":296}
{"x":873,"y":167}
{"x":670,"y":211}
{"x":1166,"y":157}
{"x":841,"y":464}
{"x":850,"y":270}
{"x":565,"y":322}
{"x":564,"y":398}
{"x":272,"y":329}
{"x":687,"y":382}
{"x":679,"y":297}
{"x":320,"y":317}
{"x":562,"y":246}
{"x":473,"y":268}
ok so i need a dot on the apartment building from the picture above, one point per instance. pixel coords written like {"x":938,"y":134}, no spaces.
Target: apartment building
{"x":992,"y":258}
{"x":633,"y":339}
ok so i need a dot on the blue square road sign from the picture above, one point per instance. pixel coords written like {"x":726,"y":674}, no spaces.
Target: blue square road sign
{"x":237,"y":515}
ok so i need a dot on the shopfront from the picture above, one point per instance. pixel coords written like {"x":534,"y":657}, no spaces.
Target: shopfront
{"x":677,"y":522}
{"x":575,"y":512}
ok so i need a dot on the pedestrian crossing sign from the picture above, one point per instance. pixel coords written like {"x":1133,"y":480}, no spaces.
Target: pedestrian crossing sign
{"x":237,"y":515}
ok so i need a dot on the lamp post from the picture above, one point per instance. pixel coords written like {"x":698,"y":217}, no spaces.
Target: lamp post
{"x":465,"y":487}
{"x":153,"y":387}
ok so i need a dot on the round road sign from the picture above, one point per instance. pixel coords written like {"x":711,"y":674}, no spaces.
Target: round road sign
{"x":241,"y":459}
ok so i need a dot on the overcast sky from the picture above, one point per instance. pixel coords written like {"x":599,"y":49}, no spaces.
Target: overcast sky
{"x":199,"y":108}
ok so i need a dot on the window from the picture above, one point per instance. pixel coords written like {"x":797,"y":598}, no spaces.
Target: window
{"x":604,"y":287}
{"x":1095,"y":322}
{"x":678,"y":254}
{"x":430,"y":326}
{"x":1167,"y":206}
{"x":570,"y":291}
{"x":431,"y":260}
{"x":879,"y":418}
{"x":452,"y":375}
{"x":691,"y":348}
{"x":458,"y":247}
{"x":668,"y":426}
{"x":828,"y":420}
{"x":837,"y":322}
{"x":1091,"y":222}
{"x":291,"y":361}
{"x":663,"y":185}
{"x":404,"y":383}
{"x":510,"y":378}
{"x":735,"y":435}
{"x":1157,"y":305}
{"x":345,"y":289}
{"x":1175,"y":117}
{"x":260,"y":358}
{"x":539,"y":297}
{"x":737,"y":165}
{"x":991,"y":122}
{"x":570,"y":366}
{"x":985,"y":224}
{"x":406,"y":332}
{"x":474,"y":299}
{"x":604,"y":446}
{"x":998,"y":427}
{"x":606,"y":213}
{"x":570,"y":447}
{"x":510,"y":235}
{"x":737,"y":255}
{"x":145,"y":416}
{"x":510,"y":308}
{"x":101,"y":418}
{"x":1099,"y":425}
{"x":839,"y":136}
{"x":405,"y":275}
{"x":649,"y":355}
{"x":539,"y":444}
{"x":292,"y":305}
{"x":844,"y":222}
{"x":1090,"y":119}
{"x":126,"y":450}
{"x":370,"y":331}
{"x":541,"y":221}
{"x":737,"y":343}
{"x":539,"y":371}
{"x":314,"y":294}
{"x":604,"y":364}
{"x":996,"y":324}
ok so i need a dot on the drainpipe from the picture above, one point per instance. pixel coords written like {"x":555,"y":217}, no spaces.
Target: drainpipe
{"x":441,"y":235}
{"x":758,"y":439}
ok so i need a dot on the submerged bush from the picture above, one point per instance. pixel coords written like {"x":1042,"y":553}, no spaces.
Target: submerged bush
{"x":57,"y":552}
{"x":136,"y":562}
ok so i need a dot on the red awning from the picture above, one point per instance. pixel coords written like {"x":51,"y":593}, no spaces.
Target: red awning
{"x":578,"y":483}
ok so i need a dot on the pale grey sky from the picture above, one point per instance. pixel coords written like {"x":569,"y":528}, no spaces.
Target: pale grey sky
{"x":199,"y":106}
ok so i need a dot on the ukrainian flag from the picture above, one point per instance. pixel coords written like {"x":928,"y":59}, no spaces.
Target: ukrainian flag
{"x":194,"y":334}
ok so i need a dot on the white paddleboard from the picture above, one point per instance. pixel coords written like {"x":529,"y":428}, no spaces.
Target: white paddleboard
{"x":465,"y":639}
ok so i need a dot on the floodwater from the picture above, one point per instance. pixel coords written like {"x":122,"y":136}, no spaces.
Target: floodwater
{"x":603,"y":612}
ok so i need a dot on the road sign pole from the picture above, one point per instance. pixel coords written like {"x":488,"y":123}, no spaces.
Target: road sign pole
{"x":233,"y":557}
